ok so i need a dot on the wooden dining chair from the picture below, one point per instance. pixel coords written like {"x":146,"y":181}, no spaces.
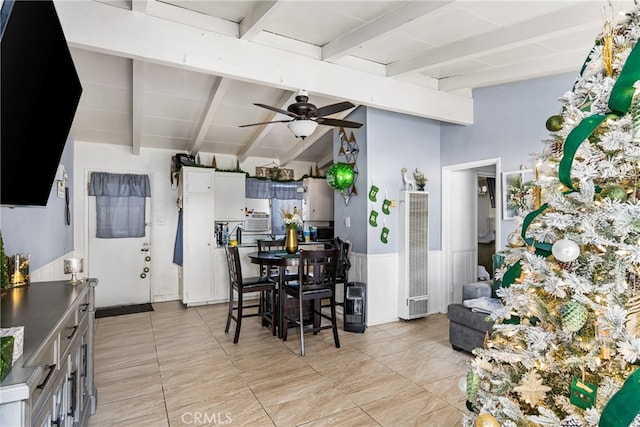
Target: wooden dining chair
{"x":242,"y":286}
{"x":316,"y":282}
{"x":342,"y":269}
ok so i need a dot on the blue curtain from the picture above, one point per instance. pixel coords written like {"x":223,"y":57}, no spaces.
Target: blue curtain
{"x":266,"y":189}
{"x":120,"y":204}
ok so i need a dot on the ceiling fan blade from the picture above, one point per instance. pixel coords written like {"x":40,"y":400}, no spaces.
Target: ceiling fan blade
{"x":277,"y":110}
{"x":265,"y":123}
{"x":337,"y":122}
{"x":334,"y":108}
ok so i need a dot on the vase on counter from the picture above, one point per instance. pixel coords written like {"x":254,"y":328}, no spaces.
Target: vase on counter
{"x":291,"y":240}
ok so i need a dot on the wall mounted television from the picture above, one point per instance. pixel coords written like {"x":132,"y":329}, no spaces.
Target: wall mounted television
{"x":39,"y":95}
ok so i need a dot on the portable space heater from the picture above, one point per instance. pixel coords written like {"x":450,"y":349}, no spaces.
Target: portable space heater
{"x":355,"y":307}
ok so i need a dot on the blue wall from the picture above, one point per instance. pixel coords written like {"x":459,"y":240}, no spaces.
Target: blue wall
{"x":40,"y":231}
{"x":509,"y":122}
{"x":388,"y":142}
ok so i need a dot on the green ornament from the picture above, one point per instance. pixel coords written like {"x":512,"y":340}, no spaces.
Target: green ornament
{"x":615,"y":192}
{"x":473,"y":383}
{"x":574,"y":315}
{"x":340,"y":176}
{"x":554,"y":123}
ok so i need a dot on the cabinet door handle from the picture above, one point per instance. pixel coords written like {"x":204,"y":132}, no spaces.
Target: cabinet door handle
{"x":74,"y":393}
{"x":48,"y":377}
{"x":75,"y":329}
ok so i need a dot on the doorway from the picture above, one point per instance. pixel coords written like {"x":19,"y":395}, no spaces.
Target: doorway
{"x":121,"y":265}
{"x":460,"y":224}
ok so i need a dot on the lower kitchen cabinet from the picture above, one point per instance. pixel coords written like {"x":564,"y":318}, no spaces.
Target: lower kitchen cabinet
{"x":51,"y":384}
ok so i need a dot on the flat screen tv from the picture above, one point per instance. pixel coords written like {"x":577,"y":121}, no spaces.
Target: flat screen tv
{"x":39,"y":95}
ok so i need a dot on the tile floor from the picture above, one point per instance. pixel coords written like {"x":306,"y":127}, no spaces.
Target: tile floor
{"x":175,"y":366}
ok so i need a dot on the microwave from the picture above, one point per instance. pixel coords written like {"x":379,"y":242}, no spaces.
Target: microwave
{"x":324,"y":233}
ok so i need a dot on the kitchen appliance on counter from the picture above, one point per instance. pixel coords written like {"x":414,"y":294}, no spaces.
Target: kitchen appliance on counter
{"x":257,"y":221}
{"x":323,"y":234}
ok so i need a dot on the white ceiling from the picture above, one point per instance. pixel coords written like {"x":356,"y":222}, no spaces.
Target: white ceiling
{"x":183,"y":75}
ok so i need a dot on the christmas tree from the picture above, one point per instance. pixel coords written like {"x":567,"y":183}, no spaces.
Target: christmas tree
{"x":565,"y":349}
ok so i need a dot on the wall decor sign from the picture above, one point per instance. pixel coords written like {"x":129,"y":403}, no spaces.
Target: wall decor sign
{"x":274,"y":172}
{"x":517,"y":192}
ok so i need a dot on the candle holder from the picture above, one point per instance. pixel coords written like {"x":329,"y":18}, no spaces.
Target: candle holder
{"x":18,"y":267}
{"x":74,"y":266}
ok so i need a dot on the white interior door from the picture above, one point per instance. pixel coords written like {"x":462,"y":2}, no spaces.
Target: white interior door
{"x":119,"y":264}
{"x":464,"y":238}
{"x":459,"y":223}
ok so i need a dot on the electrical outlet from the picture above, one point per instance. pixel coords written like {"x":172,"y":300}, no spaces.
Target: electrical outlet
{"x":347,"y":221}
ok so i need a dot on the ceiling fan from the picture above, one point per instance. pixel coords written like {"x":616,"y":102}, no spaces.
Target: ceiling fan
{"x":305,"y":117}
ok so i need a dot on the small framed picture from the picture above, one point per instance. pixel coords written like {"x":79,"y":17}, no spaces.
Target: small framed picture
{"x":517,"y":192}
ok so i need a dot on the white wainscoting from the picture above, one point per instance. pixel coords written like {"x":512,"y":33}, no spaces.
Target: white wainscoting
{"x":465,"y":264}
{"x":52,"y":271}
{"x":380,"y":274}
{"x":382,"y":289}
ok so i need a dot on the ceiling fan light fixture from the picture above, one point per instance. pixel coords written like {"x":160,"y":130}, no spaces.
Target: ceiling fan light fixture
{"x":302,"y":128}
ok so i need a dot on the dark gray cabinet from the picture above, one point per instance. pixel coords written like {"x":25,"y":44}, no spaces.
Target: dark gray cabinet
{"x":52,"y":382}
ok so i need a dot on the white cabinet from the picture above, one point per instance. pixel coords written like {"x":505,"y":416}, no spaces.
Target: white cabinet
{"x":197,"y":274}
{"x":413,"y":231}
{"x":318,"y":200}
{"x":229,"y":192}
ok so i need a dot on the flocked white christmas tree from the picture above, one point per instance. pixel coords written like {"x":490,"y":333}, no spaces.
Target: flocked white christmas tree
{"x":565,"y":350}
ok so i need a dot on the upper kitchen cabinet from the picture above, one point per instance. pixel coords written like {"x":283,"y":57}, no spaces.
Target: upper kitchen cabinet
{"x":318,"y":200}
{"x":229,"y":192}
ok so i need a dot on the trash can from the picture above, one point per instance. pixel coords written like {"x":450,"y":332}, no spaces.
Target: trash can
{"x":354,"y":314}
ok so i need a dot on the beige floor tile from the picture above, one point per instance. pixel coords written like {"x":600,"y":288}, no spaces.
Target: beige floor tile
{"x":400,"y":407}
{"x":347,"y":418}
{"x":206,"y":390}
{"x":444,"y":417}
{"x":309,"y":408}
{"x":121,"y":357}
{"x":282,"y":389}
{"x":128,"y":382}
{"x":178,"y":376}
{"x":155,"y":420}
{"x":238,"y":408}
{"x":175,"y":366}
{"x":119,"y":411}
{"x":368,"y":389}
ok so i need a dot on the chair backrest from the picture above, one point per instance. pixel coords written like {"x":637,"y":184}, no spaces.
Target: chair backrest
{"x":318,"y":267}
{"x":344,"y":250}
{"x":269,"y":245}
{"x":233,"y":263}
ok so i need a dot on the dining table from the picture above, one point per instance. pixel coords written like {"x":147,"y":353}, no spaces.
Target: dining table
{"x":282,"y":260}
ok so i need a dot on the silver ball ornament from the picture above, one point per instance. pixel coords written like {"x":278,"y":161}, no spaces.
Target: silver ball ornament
{"x":565,"y":250}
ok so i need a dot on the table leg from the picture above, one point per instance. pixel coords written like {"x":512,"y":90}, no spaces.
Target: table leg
{"x":281,"y":296}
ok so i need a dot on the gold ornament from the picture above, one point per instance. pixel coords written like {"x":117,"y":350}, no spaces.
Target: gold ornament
{"x":486,"y":420}
{"x":515,"y":240}
{"x":531,"y":389}
{"x":633,"y":315}
{"x":607,"y":49}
